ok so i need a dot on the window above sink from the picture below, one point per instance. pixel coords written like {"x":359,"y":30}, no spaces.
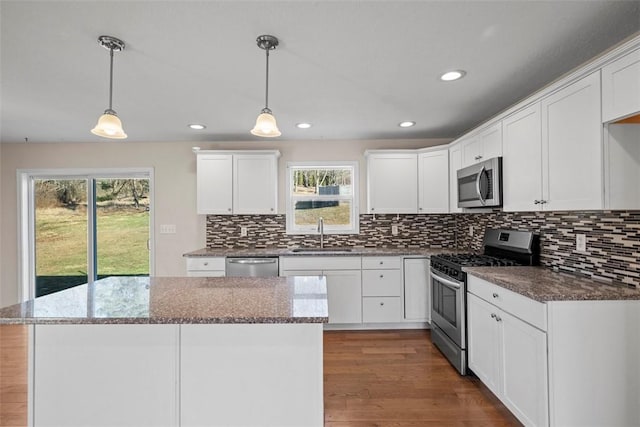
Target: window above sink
{"x":322,"y":189}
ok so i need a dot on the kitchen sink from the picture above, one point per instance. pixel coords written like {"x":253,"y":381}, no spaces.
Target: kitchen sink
{"x":321,"y":250}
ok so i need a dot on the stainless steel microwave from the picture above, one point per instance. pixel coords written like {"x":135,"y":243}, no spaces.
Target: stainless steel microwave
{"x":480,"y":185}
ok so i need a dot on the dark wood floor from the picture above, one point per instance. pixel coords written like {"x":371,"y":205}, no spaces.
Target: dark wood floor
{"x":398,"y":378}
{"x":372,"y":378}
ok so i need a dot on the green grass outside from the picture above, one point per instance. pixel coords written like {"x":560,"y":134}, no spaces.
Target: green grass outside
{"x":61,"y":241}
{"x":334,"y":215}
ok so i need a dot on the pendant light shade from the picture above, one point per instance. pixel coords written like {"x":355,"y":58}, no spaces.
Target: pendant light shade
{"x":109,"y":125}
{"x":266,"y":123}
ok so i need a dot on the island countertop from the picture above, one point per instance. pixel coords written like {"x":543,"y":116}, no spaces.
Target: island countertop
{"x":545,"y":285}
{"x":180,"y":300}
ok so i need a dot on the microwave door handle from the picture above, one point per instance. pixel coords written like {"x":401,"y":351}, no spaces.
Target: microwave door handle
{"x":478,"y":190}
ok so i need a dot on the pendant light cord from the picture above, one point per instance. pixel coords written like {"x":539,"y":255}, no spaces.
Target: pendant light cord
{"x":266,"y":92}
{"x":111,"y":80}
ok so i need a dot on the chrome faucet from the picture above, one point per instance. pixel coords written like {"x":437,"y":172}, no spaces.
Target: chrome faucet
{"x":321,"y":231}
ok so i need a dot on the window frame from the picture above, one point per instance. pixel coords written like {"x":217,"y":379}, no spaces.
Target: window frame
{"x":354,"y":198}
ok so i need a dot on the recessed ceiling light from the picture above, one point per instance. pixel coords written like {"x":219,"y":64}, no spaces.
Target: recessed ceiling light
{"x":406,"y":124}
{"x":450,"y":76}
{"x":197,"y":126}
{"x":303,"y":125}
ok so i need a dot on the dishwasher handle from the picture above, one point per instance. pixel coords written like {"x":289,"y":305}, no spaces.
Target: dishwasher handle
{"x":252,"y":261}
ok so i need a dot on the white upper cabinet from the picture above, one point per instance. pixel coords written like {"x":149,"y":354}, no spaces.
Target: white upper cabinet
{"x":237,"y":182}
{"x":215,"y":184}
{"x":255,"y":184}
{"x":433,"y":177}
{"x":455,"y":163}
{"x":572,"y":177}
{"x":392,"y":184}
{"x":483,"y":146}
{"x":621,"y":87}
{"x":522,"y":160}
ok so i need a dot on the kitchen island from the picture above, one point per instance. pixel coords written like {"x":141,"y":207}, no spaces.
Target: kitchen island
{"x":139,"y":351}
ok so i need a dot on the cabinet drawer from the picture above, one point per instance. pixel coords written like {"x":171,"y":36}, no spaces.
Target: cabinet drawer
{"x":381,"y":262}
{"x":381,"y":309}
{"x":383,"y":283}
{"x":320,"y":263}
{"x":529,"y":310}
{"x":205,"y":263}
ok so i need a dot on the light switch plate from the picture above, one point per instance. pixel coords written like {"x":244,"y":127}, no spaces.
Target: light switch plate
{"x":243,"y":231}
{"x":471,"y":231}
{"x":581,"y":243}
{"x":394,"y":230}
{"x":167,"y":229}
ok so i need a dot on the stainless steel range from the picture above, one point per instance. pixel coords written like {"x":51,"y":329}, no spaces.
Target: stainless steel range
{"x":449,"y":286}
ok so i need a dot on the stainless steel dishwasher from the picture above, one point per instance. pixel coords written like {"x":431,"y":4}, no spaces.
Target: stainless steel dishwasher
{"x":251,"y":267}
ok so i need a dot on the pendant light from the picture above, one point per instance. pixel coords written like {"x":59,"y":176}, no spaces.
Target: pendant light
{"x":109,"y":125}
{"x":266,"y":124}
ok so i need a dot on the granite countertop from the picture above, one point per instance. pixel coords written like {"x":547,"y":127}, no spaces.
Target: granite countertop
{"x":354,"y":251}
{"x":295,"y":299}
{"x":545,"y":285}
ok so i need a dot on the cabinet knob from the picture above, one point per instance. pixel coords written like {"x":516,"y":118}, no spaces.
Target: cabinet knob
{"x":536,"y":202}
{"x":381,"y":262}
{"x":381,"y":303}
{"x":493,"y":315}
{"x":382,"y":276}
{"x":498,"y":319}
{"x":372,"y":209}
{"x":542,"y":202}
{"x":229,"y":209}
{"x":206,"y":263}
{"x":495,"y":295}
{"x":419,"y":209}
{"x":271,"y":209}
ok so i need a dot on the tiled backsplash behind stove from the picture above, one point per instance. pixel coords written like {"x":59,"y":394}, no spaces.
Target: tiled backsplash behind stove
{"x":613,"y":238}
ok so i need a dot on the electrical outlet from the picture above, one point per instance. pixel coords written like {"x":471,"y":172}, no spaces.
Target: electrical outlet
{"x":581,"y":243}
{"x":394,"y":230}
{"x":471,"y":231}
{"x":167,"y":229}
{"x":243,"y":231}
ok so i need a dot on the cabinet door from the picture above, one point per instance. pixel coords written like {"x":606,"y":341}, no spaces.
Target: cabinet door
{"x":621,"y":87}
{"x":524,"y":367}
{"x":433,"y":179}
{"x":344,"y":295}
{"x":522,"y":160}
{"x":392,"y":183}
{"x":214,"y":184}
{"x":471,"y":151}
{"x":255,"y":182}
{"x":417,"y":289}
{"x":491,"y":139}
{"x":483,"y":343}
{"x":572,"y":147}
{"x":455,"y":163}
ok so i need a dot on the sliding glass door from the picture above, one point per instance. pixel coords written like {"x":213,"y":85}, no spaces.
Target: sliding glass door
{"x":87,"y":227}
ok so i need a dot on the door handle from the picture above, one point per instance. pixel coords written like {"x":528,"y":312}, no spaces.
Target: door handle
{"x":478,"y":190}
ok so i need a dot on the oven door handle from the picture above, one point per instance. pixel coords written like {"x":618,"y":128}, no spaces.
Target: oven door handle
{"x":447,"y":282}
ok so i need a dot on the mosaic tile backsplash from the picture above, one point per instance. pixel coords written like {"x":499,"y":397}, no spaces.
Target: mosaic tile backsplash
{"x":613,"y":238}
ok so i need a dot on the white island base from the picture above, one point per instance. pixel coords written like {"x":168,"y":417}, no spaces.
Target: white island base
{"x":176,"y":375}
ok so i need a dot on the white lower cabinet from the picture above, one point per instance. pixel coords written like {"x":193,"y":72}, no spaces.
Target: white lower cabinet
{"x":509,"y":356}
{"x":344,"y":283}
{"x":417,"y":290}
{"x":559,"y":363}
{"x":205,"y":267}
{"x":381,"y":289}
{"x":381,"y":309}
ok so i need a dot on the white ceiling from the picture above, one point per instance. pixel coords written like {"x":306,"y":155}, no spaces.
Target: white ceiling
{"x":352,"y":68}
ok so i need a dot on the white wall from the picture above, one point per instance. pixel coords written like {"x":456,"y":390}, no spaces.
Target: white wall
{"x":175,"y":180}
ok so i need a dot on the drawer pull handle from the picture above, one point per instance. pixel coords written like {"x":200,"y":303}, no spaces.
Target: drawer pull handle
{"x":495,"y":295}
